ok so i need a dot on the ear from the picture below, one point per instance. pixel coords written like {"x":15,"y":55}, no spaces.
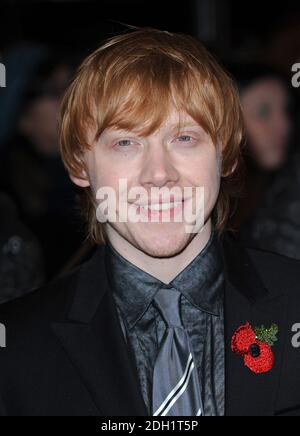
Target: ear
{"x":81,"y":181}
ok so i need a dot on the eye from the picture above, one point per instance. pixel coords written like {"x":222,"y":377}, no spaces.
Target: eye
{"x":124,"y":143}
{"x":185,"y":138}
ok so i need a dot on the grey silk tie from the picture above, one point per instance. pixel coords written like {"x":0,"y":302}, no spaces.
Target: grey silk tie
{"x":176,"y":387}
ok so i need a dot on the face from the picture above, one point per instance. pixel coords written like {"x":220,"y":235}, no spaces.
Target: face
{"x":267,"y":123}
{"x":40,"y":125}
{"x":168,"y":158}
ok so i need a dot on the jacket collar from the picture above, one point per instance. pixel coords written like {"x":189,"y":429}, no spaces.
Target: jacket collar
{"x":241,"y":272}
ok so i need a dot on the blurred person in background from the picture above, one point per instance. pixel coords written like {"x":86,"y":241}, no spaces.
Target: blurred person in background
{"x":21,"y":60}
{"x":268,"y":214}
{"x":266,"y":103}
{"x":275,"y":226}
{"x":32,"y":171}
{"x":21,"y":265}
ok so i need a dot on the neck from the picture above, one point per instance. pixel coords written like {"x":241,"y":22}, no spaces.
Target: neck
{"x":164,"y":269}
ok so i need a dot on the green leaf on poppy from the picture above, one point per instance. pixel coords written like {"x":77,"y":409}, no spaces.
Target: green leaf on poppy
{"x":269,"y":336}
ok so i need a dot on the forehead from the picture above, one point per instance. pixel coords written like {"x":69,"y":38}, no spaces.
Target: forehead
{"x":178,"y":118}
{"x":174,"y":120}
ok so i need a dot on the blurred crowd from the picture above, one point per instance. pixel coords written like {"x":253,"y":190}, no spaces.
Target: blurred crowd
{"x":40,"y":220}
{"x":33,"y":180}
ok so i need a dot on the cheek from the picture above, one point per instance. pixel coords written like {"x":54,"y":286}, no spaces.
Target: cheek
{"x":204,"y":170}
{"x":102,"y":173}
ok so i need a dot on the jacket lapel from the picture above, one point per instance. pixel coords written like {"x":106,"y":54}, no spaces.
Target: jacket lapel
{"x":93,"y":339}
{"x":248,"y":299}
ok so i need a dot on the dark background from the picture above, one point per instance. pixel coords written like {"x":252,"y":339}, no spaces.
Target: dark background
{"x":225,"y":25}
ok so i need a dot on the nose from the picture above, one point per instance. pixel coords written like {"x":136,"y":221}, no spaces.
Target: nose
{"x":158,"y":169}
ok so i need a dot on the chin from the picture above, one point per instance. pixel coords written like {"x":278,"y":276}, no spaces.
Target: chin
{"x":165,"y":246}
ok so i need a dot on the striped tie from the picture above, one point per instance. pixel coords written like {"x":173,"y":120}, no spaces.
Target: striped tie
{"x":176,"y":387}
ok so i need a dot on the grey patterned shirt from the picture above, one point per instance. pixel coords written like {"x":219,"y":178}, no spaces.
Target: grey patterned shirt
{"x":201,"y":284}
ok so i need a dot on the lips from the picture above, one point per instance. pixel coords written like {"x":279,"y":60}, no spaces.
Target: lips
{"x":157,"y":212}
{"x":157,"y":207}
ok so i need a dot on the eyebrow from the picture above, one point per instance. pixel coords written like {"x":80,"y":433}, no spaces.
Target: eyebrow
{"x":172,"y":127}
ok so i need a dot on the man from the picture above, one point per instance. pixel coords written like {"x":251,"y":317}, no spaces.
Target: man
{"x":160,"y":321}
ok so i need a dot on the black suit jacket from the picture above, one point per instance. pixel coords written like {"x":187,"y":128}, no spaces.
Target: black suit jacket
{"x":66,"y":353}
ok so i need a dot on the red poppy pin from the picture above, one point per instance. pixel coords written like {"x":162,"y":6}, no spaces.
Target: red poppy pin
{"x":255,"y":346}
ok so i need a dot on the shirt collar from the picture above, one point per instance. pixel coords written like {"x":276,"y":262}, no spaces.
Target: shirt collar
{"x":200,"y":282}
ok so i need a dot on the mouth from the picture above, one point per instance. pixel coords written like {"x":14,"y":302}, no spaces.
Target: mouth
{"x":160,"y":211}
{"x":158,"y":207}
